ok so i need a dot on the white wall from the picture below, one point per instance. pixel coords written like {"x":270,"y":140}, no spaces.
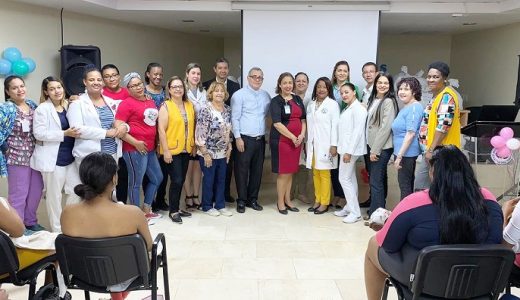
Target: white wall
{"x":35,"y":31}
{"x":415,"y":51}
{"x":486,"y":62}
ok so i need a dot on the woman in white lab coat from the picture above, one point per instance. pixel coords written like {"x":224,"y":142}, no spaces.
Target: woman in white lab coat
{"x":322,"y":124}
{"x":351,"y":145}
{"x":93,"y":114}
{"x":52,"y":154}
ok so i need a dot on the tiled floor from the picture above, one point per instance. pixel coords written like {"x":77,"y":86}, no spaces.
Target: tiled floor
{"x":258,"y":255}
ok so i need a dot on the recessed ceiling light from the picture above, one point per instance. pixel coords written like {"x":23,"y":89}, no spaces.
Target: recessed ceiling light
{"x":469,"y":24}
{"x":204,"y":30}
{"x":188,"y":21}
{"x":457,"y":15}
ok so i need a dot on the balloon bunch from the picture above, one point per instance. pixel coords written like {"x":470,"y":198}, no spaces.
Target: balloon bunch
{"x":503,"y":145}
{"x":12,"y":63}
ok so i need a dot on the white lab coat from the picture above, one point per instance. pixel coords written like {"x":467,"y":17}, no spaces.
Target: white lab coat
{"x":351,"y":130}
{"x":48,"y":133}
{"x":83,"y":115}
{"x":322,"y":130}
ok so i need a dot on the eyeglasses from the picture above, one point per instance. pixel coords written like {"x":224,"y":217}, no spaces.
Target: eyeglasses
{"x":135,"y":86}
{"x":258,"y":78}
{"x":111,"y":76}
{"x":176,"y":87}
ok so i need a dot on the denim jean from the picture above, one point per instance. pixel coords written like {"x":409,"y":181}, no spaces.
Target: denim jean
{"x":379,"y":180}
{"x":139,"y":164}
{"x":422,"y":175}
{"x":213,"y":183}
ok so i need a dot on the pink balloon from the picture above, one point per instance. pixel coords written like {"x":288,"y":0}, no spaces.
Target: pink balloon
{"x":507,"y":133}
{"x":503,"y":152}
{"x":498,"y":142}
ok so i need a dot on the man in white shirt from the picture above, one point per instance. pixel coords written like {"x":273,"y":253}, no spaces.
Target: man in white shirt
{"x":369,"y":70}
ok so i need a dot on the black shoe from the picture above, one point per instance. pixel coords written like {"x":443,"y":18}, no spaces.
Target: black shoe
{"x":254,"y":205}
{"x":230,"y":200}
{"x":282,"y":211}
{"x":241,"y":207}
{"x":293,"y":209}
{"x":365,"y":204}
{"x":176,"y":218}
{"x":312,"y":208}
{"x":184,"y":213}
{"x":320,"y":212}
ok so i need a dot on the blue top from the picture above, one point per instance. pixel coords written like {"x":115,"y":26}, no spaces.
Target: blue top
{"x":108,"y":145}
{"x":248,"y":111}
{"x":157,"y":98}
{"x":65,"y":157}
{"x":408,"y":119}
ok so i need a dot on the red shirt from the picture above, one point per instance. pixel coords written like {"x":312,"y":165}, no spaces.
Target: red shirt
{"x":141,"y":116}
{"x":121,"y":95}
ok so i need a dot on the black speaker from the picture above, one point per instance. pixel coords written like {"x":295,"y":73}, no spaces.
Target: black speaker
{"x":74,"y":60}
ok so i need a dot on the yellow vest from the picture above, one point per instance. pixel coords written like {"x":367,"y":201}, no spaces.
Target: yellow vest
{"x":452,"y":137}
{"x":175,"y":132}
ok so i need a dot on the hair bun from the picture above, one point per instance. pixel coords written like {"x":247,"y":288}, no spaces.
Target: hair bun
{"x":85,"y":192}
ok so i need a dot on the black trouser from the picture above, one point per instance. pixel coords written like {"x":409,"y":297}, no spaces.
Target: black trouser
{"x":336,"y":185}
{"x":229,"y":170}
{"x":249,"y":166}
{"x":406,"y":175}
{"x":122,"y":181}
{"x":161,"y":191}
{"x":177,"y":170}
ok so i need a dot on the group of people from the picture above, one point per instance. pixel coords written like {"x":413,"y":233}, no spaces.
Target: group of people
{"x":124,"y":134}
{"x":188,"y":128}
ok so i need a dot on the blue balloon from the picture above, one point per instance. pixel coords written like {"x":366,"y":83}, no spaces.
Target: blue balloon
{"x":5,"y":66}
{"x":30,"y":62}
{"x":12,"y":54}
{"x":20,"y":68}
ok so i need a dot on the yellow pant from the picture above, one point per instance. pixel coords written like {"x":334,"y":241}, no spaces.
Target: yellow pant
{"x":322,"y":185}
{"x":27,"y":257}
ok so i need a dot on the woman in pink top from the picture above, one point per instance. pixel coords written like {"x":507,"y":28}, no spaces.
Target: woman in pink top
{"x":140,"y":114}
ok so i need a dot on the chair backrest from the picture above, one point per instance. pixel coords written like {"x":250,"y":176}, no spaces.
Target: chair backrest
{"x":462,"y":271}
{"x":8,"y":258}
{"x":103,"y":262}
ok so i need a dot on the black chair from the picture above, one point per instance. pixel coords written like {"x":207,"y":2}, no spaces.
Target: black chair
{"x":456,"y":272}
{"x":514,"y":279}
{"x":10,"y":267}
{"x":94,"y":264}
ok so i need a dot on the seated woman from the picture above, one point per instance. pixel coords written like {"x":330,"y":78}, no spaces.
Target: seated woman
{"x":97,"y":216}
{"x":455,"y":210}
{"x":33,"y":250}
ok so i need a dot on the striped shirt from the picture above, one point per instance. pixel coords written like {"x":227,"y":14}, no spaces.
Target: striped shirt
{"x":108,"y":145}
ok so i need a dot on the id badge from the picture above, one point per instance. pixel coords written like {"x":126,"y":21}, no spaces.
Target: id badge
{"x":287,"y":109}
{"x":26,"y":126}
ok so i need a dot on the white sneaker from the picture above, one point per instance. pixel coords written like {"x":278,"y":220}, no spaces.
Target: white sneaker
{"x":341,"y":213}
{"x":351,"y":219}
{"x":212,"y":212}
{"x":225,"y":212}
